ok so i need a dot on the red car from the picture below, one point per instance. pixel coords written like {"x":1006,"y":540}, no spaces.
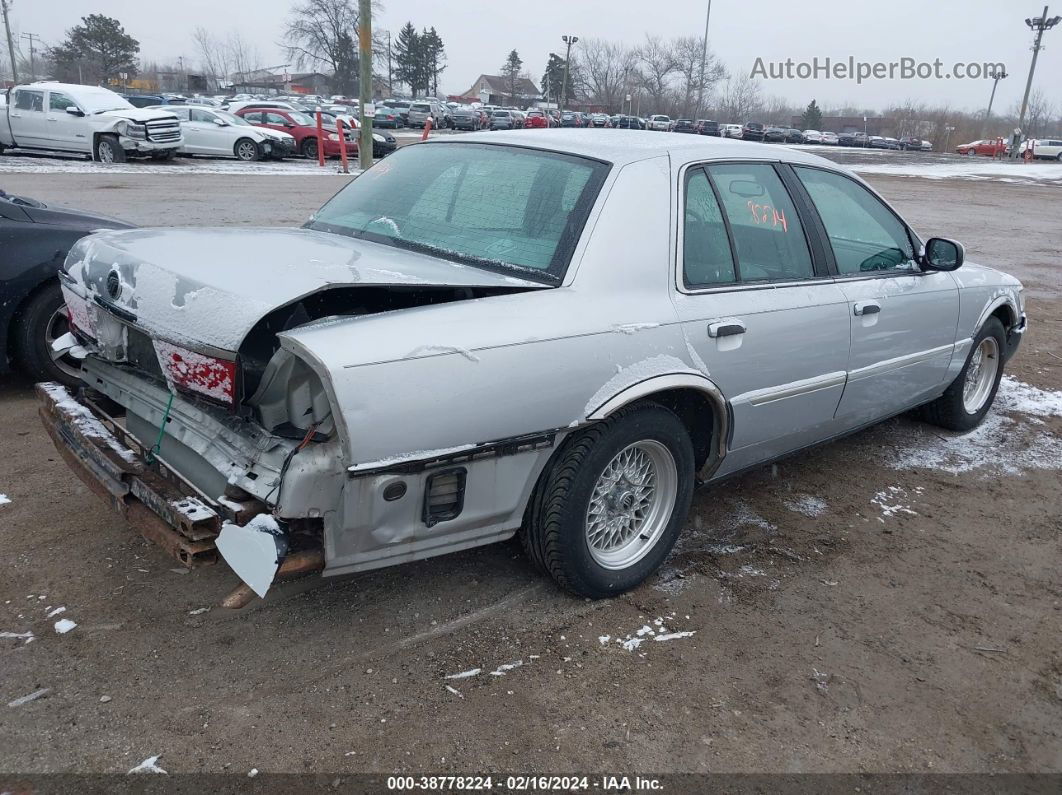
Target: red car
{"x":536,"y":119}
{"x":989,"y":148}
{"x":303,"y":127}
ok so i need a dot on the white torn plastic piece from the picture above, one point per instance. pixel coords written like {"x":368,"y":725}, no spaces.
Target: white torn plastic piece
{"x":455,"y":691}
{"x":18,"y":702}
{"x":149,"y":765}
{"x":502,"y":669}
{"x":465,"y":674}
{"x":55,"y":612}
{"x":199,"y":611}
{"x":64,"y":343}
{"x":27,"y":637}
{"x":603,"y":639}
{"x":64,"y":625}
{"x":675,"y":635}
{"x":252,"y":551}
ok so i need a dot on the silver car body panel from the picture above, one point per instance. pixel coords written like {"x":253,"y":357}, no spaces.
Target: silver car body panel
{"x":494,"y":385}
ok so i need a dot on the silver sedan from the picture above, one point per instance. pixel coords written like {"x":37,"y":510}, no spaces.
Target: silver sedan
{"x":548,"y":333}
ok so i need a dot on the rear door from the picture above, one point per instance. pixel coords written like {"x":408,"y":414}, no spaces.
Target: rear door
{"x":760,"y":309}
{"x":903,"y":319}
{"x":28,"y":119}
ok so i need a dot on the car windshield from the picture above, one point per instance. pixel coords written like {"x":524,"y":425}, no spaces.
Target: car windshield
{"x":98,"y":100}
{"x":501,"y":208}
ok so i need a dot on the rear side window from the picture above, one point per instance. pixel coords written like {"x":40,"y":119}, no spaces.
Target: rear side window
{"x":29,"y":100}
{"x":863,"y":232}
{"x":768,"y":237}
{"x":706,"y":257}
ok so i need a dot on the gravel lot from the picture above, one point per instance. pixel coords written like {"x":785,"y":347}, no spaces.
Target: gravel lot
{"x":890,"y":602}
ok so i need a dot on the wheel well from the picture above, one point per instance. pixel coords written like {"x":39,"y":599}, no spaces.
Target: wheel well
{"x":16,"y":316}
{"x":1005,"y":314}
{"x":697,"y":413}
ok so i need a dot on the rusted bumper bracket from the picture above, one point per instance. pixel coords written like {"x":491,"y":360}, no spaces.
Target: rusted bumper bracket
{"x":153,"y":499}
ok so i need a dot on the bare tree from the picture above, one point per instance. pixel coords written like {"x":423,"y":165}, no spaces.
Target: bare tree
{"x":740,"y":99}
{"x":656,"y":65}
{"x":214,"y":57}
{"x":242,"y":55}
{"x":688,"y":54}
{"x":603,"y":67}
{"x":324,"y":35}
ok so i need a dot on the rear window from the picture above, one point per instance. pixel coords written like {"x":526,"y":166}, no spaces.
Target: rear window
{"x":497,"y":207}
{"x":420,"y":108}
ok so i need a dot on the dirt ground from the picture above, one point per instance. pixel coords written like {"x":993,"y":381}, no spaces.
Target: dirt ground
{"x":890,"y":602}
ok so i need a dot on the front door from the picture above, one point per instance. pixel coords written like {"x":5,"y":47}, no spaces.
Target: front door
{"x":69,"y":132}
{"x":759,"y":311}
{"x":904,"y":319}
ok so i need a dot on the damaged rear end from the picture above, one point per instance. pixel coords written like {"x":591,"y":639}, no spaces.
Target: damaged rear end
{"x":196,"y":423}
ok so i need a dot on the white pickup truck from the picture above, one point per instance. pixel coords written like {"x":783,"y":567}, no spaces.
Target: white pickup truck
{"x":63,"y":117}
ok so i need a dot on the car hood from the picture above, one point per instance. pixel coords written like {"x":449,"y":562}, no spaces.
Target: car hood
{"x":208,"y":287}
{"x":137,"y":114}
{"x":276,"y":135}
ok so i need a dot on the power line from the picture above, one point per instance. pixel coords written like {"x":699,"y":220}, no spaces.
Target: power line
{"x":32,"y":38}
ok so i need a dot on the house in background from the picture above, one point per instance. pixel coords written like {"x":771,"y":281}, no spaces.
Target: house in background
{"x":495,"y":90}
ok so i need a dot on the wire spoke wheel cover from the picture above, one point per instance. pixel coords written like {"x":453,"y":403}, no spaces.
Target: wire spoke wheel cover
{"x":980,"y":375}
{"x":631,"y":504}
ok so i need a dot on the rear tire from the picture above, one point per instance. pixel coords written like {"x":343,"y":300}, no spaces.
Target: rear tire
{"x":309,"y":148}
{"x":611,"y":505}
{"x":108,"y":150}
{"x":41,"y":320}
{"x":967,"y":400}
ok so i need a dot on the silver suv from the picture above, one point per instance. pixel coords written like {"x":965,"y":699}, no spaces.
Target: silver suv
{"x":420,"y":112}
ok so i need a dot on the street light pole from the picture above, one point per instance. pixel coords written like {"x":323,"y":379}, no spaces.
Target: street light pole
{"x":947,"y":136}
{"x":10,"y":45}
{"x":704,"y":61}
{"x":1039,"y":24}
{"x":568,"y":40}
{"x":996,"y":77}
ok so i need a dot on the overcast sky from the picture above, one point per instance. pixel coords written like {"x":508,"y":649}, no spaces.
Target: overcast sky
{"x":478,"y":35}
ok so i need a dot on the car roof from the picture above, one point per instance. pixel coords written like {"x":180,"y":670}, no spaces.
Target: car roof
{"x":635,"y":145}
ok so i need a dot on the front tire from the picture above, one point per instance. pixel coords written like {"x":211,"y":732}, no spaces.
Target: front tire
{"x":309,"y":149}
{"x":969,"y":397}
{"x":610,"y":507}
{"x":41,"y":321}
{"x":108,"y":150}
{"x":248,"y":151}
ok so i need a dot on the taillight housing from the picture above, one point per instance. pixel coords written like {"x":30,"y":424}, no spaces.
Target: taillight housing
{"x":208,"y":376}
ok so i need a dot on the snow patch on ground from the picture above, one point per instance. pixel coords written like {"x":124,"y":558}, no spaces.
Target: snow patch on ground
{"x":149,"y":765}
{"x":891,"y":502}
{"x":1001,"y":443}
{"x":12,"y":163}
{"x":807,"y":505}
{"x":465,"y":674}
{"x":26,"y":637}
{"x":4,"y":500}
{"x":655,"y":631}
{"x":18,"y":702}
{"x":971,"y":168}
{"x":64,"y":625}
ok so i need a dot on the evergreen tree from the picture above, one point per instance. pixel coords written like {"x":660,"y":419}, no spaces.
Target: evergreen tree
{"x":811,"y":119}
{"x":553,"y":79}
{"x":407,"y":54}
{"x":101,"y":45}
{"x":511,"y":71}
{"x":434,"y":59}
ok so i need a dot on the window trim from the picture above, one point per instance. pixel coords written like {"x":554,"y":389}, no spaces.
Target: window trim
{"x":818,"y":267}
{"x":689,"y":175}
{"x":912,"y":238}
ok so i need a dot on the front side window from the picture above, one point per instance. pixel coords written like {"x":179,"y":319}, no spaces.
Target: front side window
{"x":29,"y":100}
{"x":276,"y":118}
{"x":59,"y":102}
{"x":864,"y":234}
{"x":706,"y":256}
{"x":196,"y":115}
{"x":768,"y":237}
{"x":254,"y":118}
{"x":498,"y":207}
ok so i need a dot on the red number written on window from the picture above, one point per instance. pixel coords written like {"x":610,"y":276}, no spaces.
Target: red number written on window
{"x":765,"y":214}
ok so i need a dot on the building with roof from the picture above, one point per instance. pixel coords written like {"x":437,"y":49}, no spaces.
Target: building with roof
{"x":495,"y":90}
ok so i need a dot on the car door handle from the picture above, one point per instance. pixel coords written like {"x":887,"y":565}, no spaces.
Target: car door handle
{"x":866,"y":308}
{"x":726,"y":328}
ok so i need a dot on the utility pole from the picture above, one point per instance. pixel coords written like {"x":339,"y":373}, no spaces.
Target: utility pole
{"x":568,"y":40}
{"x":1038,"y":24}
{"x":390,"y":89}
{"x":10,"y":44}
{"x":996,"y":77}
{"x":704,"y":62}
{"x":32,"y":38}
{"x":365,"y":82}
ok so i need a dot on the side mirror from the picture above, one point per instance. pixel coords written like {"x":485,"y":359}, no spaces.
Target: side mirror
{"x":220,"y":122}
{"x":942,"y":254}
{"x":74,"y":110}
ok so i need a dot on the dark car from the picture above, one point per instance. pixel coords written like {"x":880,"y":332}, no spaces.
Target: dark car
{"x":148,"y":100}
{"x":846,"y":139}
{"x":794,"y":136}
{"x":860,"y":139}
{"x":752,"y":131}
{"x":34,"y":240}
{"x":909,"y":143}
{"x":386,"y":117}
{"x":401,"y":107}
{"x":569,"y":119}
{"x":684,"y":126}
{"x":628,"y":123}
{"x":774,"y":135}
{"x":466,"y":119}
{"x":708,"y":127}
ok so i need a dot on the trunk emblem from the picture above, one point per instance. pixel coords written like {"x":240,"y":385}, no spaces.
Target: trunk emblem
{"x":114,"y":285}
